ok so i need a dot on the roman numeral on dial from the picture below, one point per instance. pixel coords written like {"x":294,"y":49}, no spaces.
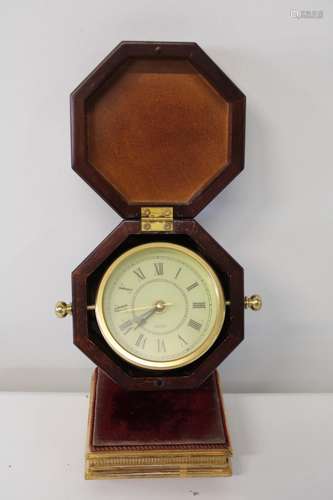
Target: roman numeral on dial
{"x":194,"y":324}
{"x":182,"y":340}
{"x":199,"y":305}
{"x":159,"y":268}
{"x":178,"y":272}
{"x":141,"y":341}
{"x":190,"y":287}
{"x":126,"y":326}
{"x":120,"y":308}
{"x":122,"y":287}
{"x":139,"y":273}
{"x":161,"y":345}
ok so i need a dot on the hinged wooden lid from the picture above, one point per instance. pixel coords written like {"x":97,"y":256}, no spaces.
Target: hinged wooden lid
{"x":157,"y":124}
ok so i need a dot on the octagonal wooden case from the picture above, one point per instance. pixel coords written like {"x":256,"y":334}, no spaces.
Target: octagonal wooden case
{"x":157,"y":124}
{"x":87,"y":276}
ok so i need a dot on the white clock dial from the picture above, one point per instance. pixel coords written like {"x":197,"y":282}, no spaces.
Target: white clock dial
{"x":160,"y":306}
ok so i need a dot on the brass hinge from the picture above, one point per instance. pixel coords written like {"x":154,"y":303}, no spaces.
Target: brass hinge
{"x":156,"y":219}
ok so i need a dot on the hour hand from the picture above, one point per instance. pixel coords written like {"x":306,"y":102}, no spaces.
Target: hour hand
{"x":143,"y":317}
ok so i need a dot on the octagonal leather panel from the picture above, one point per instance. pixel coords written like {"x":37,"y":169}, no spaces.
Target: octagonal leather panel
{"x":158,"y":132}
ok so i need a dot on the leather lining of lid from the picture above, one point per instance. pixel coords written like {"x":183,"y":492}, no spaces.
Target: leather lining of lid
{"x":158,"y":131}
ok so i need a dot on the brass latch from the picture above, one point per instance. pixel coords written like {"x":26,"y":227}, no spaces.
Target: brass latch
{"x":156,"y":219}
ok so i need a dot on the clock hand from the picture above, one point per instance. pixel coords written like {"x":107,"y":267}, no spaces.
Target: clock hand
{"x":142,"y":308}
{"x":143,"y":317}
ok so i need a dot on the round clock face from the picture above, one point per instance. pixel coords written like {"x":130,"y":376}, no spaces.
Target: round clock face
{"x":160,"y":306}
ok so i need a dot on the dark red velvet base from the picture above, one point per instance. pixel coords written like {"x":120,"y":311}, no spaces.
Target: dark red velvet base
{"x":189,"y":418}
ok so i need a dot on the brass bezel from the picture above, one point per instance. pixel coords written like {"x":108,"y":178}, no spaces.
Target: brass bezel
{"x":161,"y":365}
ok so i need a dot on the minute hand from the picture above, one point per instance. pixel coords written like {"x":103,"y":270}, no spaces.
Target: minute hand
{"x":142,"y":308}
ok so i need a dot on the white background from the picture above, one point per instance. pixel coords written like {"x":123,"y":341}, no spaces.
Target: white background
{"x":275,"y":218}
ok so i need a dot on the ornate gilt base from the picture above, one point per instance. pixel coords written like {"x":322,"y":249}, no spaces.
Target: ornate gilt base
{"x":121,"y":447}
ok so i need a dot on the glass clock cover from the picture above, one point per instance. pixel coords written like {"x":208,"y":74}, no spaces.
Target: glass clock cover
{"x":160,"y":306}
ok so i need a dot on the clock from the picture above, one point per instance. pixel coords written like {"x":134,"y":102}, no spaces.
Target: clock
{"x":158,"y":131}
{"x":160,"y":306}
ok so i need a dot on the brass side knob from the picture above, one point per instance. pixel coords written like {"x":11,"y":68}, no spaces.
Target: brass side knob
{"x":254,"y":302}
{"x":62,"y":309}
